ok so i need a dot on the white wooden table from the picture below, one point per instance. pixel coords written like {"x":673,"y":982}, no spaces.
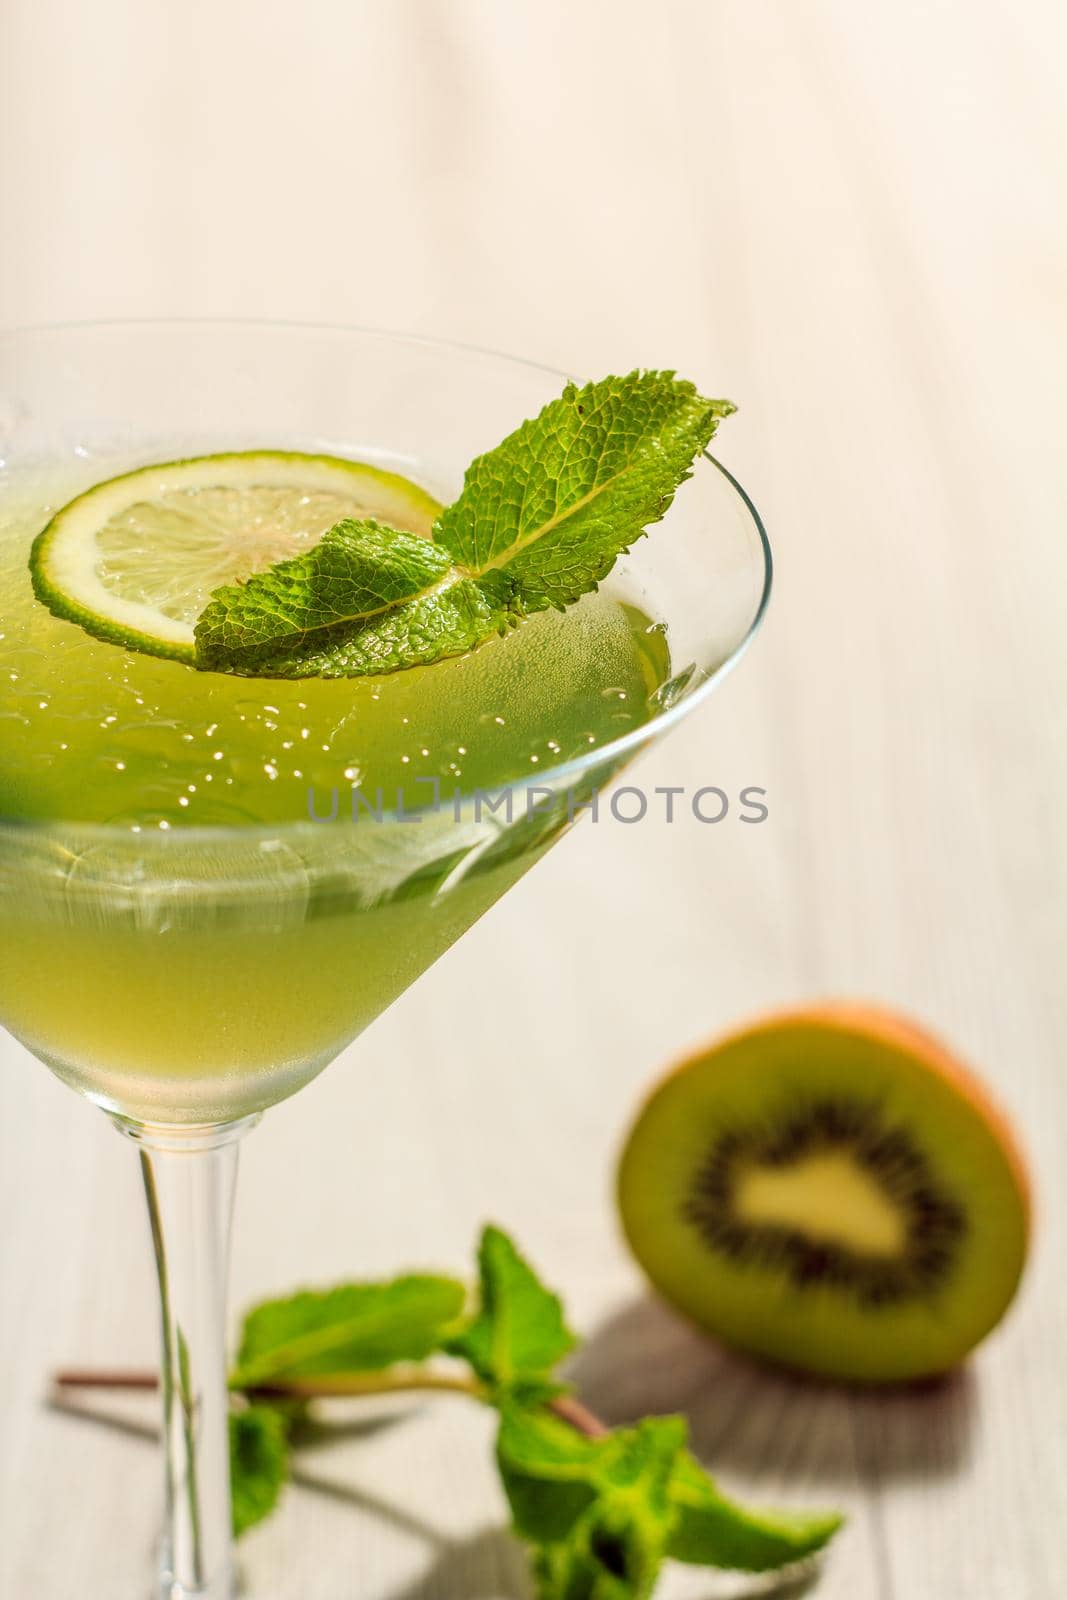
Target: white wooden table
{"x":849,"y":218}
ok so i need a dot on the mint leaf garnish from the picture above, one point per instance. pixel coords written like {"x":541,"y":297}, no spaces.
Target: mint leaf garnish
{"x":448,"y":621}
{"x":564,"y":495}
{"x":259,"y":1464}
{"x":358,"y":1327}
{"x":539,"y":522}
{"x":303,"y":605}
{"x":517,"y":1336}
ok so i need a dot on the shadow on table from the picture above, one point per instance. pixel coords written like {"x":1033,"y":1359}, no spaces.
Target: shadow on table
{"x":492,"y":1565}
{"x":759,"y":1422}
{"x":488,"y":1565}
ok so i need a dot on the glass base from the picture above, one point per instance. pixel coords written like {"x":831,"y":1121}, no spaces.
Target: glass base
{"x":219,"y":1588}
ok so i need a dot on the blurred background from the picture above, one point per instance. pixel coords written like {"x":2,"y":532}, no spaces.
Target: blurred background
{"x":850,"y":220}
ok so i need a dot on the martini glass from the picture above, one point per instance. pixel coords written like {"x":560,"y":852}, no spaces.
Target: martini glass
{"x":185,"y":979}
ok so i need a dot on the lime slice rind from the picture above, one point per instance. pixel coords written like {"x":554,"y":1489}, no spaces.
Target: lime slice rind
{"x":134,"y":559}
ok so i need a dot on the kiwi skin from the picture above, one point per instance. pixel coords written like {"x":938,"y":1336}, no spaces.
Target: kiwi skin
{"x":866,"y":1057}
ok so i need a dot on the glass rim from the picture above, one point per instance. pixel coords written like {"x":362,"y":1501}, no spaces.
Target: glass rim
{"x":564,"y":774}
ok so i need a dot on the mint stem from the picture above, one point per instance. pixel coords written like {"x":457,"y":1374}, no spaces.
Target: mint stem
{"x":568,"y":1409}
{"x":99,"y":1378}
{"x":565,"y":1406}
{"x":359,"y":1384}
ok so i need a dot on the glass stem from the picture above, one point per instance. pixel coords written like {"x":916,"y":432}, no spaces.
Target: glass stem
{"x":189,"y":1176}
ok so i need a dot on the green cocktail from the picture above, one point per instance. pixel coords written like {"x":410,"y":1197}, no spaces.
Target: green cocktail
{"x":236,"y":974}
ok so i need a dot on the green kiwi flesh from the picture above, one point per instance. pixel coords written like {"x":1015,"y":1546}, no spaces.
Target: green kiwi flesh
{"x":832,"y":1191}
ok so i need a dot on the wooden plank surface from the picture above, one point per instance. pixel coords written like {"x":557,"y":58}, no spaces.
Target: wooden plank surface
{"x":850,"y":219}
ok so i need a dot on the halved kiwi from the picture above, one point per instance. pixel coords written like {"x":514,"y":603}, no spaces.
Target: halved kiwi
{"x":832,"y":1190}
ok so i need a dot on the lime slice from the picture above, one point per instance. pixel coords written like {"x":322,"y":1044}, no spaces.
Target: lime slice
{"x":134,"y":560}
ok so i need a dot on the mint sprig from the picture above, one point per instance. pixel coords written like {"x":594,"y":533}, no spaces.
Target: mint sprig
{"x":540,"y":521}
{"x":600,"y":1509}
